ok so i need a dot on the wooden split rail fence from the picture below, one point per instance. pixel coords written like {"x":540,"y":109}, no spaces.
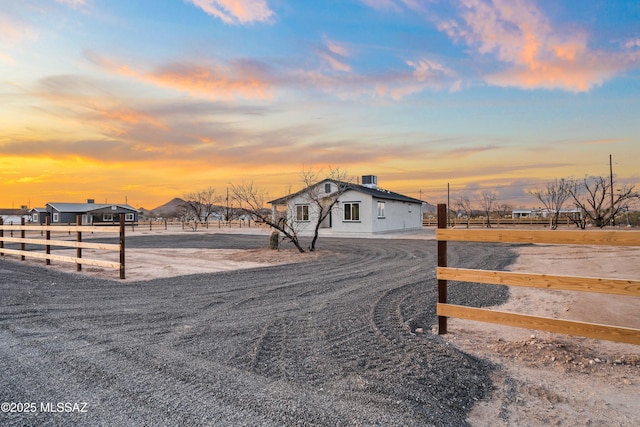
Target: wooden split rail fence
{"x":47,"y":242}
{"x":630,"y":288}
{"x":500,"y":222}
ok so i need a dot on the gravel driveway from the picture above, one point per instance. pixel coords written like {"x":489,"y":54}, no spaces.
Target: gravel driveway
{"x":326,"y":342}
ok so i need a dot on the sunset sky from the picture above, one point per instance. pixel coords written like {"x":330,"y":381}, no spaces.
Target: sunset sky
{"x":145,"y":100}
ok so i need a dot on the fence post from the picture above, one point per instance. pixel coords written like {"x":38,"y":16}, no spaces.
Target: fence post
{"x":22,"y":236}
{"x":442,"y":262}
{"x":122,"y":246}
{"x":1,"y":236}
{"x":78,"y":239}
{"x":47,"y":248}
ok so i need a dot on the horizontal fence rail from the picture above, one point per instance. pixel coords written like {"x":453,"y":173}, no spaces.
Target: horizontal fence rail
{"x":445,"y":273}
{"x":212,"y":223}
{"x":430,"y":221}
{"x":46,"y":241}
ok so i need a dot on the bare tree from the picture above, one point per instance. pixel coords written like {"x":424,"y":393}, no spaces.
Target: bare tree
{"x":199,"y":206}
{"x":463,"y":203}
{"x":319,"y":199}
{"x":504,"y":209}
{"x":252,"y":201}
{"x":486,"y":200}
{"x":553,"y":197}
{"x":323,"y":201}
{"x":596,"y":202}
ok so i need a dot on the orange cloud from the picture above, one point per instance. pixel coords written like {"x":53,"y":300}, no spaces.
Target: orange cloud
{"x":117,"y":121}
{"x":520,"y":35}
{"x":240,"y":78}
{"x":603,"y":141}
{"x":236,"y":11}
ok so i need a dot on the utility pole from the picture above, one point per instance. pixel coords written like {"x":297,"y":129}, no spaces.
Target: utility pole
{"x":227,"y":203}
{"x":613,"y":221}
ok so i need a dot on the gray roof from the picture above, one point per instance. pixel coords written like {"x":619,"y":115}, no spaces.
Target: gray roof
{"x":87,"y":207}
{"x":384,"y":194}
{"x":12,"y":211}
{"x":374,"y":192}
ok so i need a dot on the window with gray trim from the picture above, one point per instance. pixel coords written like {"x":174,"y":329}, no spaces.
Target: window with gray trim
{"x":352,"y":211}
{"x":302,"y":212}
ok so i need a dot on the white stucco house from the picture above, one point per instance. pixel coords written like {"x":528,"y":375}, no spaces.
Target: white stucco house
{"x":361,"y":209}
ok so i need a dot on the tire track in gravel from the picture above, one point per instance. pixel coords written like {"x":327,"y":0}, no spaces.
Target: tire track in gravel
{"x":326,"y":342}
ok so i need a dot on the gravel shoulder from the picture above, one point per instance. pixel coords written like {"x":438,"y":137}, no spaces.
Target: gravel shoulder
{"x":331,"y":340}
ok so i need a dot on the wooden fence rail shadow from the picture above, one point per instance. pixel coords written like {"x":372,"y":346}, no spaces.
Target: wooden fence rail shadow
{"x":78,"y":244}
{"x":630,"y":288}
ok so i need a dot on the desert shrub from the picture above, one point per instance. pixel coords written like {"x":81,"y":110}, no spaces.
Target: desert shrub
{"x":274,"y":239}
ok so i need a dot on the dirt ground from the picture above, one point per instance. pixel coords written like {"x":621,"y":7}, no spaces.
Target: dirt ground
{"x":544,"y":379}
{"x":554,"y":379}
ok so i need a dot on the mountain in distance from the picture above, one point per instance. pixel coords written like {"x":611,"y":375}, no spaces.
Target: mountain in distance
{"x":167,"y":210}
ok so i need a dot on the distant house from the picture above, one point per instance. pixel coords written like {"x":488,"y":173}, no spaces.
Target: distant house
{"x":38,"y":215}
{"x":361,"y":209}
{"x":575,"y":213}
{"x":14,"y":216}
{"x":92,"y":213}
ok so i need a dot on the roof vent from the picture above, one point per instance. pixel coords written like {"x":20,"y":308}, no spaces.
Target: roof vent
{"x":91,"y":201}
{"x":370,"y":181}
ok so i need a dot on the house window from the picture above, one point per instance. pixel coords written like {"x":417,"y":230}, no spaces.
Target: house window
{"x":129,"y":217}
{"x":56,"y":217}
{"x":35,"y":217}
{"x":352,"y":211}
{"x":327,"y":188}
{"x":302,"y":212}
{"x":107,"y":217}
{"x":381,"y":210}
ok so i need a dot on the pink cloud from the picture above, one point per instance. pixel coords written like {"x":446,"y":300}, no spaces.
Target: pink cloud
{"x":536,"y":54}
{"x":12,"y":33}
{"x":334,"y":55}
{"x":632,"y":43}
{"x":236,"y":11}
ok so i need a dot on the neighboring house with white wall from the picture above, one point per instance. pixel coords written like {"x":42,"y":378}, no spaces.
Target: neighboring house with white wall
{"x":14,"y":216}
{"x":545,"y":213}
{"x":361,"y":209}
